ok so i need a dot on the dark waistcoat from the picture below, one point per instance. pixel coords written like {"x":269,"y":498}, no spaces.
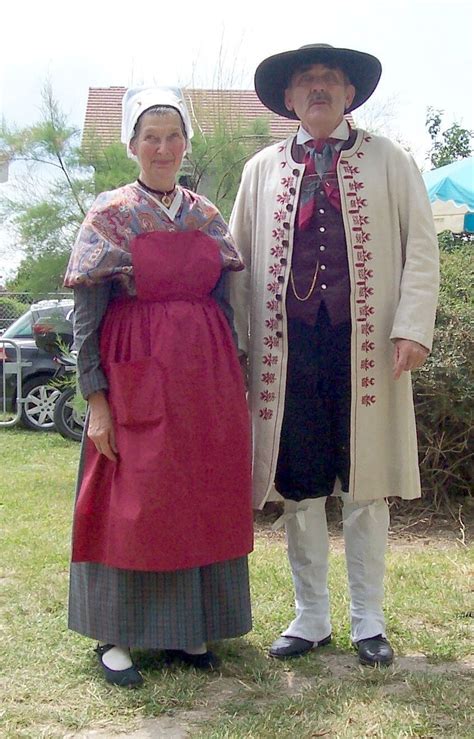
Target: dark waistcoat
{"x":322,"y":247}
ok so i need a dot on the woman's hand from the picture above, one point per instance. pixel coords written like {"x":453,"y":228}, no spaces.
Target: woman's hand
{"x":101,"y":429}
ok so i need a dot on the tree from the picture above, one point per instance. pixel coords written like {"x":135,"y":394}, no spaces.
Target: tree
{"x":45,"y":214}
{"x":215,"y":164}
{"x":449,"y":145}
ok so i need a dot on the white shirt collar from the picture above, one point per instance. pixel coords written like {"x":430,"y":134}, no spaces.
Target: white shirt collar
{"x":342,"y":131}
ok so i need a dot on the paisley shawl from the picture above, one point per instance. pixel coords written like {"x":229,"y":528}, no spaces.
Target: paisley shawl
{"x":102,"y":248}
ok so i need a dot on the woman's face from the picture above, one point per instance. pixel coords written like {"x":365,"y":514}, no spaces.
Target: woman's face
{"x":159,"y":147}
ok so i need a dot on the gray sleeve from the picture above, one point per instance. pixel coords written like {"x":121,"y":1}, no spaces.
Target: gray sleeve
{"x":90,"y":305}
{"x":221,"y":296}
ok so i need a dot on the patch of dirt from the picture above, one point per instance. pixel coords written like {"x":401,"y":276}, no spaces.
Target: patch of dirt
{"x":412,"y":524}
{"x":184,"y":723}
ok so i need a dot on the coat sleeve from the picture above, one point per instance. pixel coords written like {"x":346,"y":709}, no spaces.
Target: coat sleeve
{"x":241,"y":227}
{"x":419,"y":286}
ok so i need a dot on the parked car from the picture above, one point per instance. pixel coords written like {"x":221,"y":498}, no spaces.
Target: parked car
{"x":44,"y":321}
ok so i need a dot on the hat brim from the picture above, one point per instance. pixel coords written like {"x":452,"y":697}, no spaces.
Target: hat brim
{"x":273,"y":75}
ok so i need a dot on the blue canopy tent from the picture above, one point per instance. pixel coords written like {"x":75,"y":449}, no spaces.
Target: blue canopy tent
{"x":451,"y":193}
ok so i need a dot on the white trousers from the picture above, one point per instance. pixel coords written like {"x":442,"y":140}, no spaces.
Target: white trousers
{"x":365,"y":526}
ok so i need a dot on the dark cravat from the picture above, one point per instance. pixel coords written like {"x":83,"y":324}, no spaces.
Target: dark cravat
{"x":318,"y":161}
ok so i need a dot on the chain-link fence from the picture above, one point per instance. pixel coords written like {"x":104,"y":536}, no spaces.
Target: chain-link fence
{"x":14,"y":304}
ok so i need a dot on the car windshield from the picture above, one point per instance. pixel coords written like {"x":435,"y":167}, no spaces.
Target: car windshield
{"x":21,"y":327}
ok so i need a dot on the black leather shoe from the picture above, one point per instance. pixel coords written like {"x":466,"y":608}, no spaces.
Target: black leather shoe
{"x":206,"y":661}
{"x":375,"y":651}
{"x":293,"y":646}
{"x":129,"y":678}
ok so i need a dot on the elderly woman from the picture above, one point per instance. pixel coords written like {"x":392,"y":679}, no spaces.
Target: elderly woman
{"x":162,"y":522}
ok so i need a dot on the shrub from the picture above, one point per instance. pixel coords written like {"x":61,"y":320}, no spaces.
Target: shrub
{"x":10,"y":310}
{"x":444,"y":387}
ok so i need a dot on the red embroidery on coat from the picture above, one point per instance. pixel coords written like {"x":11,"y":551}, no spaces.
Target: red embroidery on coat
{"x":270,"y":359}
{"x":279,"y":216}
{"x":277,"y":251}
{"x":274,"y":288}
{"x":271,"y":323}
{"x":271,"y":341}
{"x":275,"y":269}
{"x":364,"y":289}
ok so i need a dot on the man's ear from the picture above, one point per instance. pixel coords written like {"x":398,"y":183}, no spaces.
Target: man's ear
{"x":288,"y":99}
{"x":350,"y":94}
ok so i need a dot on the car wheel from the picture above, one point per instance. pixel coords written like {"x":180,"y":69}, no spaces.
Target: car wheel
{"x":37,"y":413}
{"x":68,"y":421}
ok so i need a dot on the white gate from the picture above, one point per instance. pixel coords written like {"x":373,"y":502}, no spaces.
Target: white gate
{"x":11,"y":366}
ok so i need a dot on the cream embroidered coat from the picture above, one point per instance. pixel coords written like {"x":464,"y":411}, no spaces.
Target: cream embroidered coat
{"x":393,"y":263}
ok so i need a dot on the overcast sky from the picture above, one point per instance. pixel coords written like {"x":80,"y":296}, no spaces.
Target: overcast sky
{"x":425,"y":47}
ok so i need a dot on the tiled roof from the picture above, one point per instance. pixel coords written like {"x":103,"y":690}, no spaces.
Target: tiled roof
{"x":104,"y":111}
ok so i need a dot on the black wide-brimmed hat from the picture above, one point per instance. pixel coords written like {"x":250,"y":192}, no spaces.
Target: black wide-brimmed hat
{"x":274,"y":73}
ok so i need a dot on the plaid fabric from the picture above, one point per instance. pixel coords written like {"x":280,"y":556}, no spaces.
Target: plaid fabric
{"x":160,"y":610}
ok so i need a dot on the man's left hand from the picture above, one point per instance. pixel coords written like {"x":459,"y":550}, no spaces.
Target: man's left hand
{"x":408,"y":355}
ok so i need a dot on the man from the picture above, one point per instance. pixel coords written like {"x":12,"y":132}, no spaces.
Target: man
{"x":335,"y":307}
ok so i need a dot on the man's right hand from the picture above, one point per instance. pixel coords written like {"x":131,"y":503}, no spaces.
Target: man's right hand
{"x":101,"y":428}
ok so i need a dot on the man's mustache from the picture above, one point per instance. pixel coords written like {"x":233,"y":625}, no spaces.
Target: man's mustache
{"x":317,"y":97}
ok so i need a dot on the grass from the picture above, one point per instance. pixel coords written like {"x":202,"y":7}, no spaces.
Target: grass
{"x":50,"y":684}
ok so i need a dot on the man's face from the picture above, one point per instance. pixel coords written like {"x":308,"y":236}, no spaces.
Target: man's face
{"x":319,"y":96}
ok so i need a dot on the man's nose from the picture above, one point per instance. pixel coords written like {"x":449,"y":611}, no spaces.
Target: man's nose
{"x":317,"y":83}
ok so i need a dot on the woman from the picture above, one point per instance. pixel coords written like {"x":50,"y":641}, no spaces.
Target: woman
{"x":162,"y":523}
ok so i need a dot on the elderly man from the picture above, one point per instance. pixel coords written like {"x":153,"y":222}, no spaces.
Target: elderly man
{"x":335,"y":307}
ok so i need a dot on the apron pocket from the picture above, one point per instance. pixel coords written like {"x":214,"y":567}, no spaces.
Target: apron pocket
{"x":136,"y":392}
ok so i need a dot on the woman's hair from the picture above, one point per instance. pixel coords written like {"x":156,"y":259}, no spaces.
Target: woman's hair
{"x":158,"y":110}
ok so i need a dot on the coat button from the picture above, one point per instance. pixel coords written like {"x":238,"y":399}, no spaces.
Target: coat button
{"x":279,"y":334}
{"x":285,"y":242}
{"x":322,"y":266}
{"x":296,"y":172}
{"x":323,"y":287}
{"x":281,"y":278}
{"x":322,"y":229}
{"x":322,"y":247}
{"x":286,"y":225}
{"x":283,"y":261}
{"x":289,"y":207}
{"x":279,"y":316}
{"x":292,"y":191}
{"x":278,"y":297}
{"x":321,"y":210}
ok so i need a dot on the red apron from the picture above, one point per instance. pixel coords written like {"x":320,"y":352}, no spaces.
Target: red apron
{"x":179,"y":495}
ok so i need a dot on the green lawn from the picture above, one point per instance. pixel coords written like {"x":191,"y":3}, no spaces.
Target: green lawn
{"x":51,"y":686}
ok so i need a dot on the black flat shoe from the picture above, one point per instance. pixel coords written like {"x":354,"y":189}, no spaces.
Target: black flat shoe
{"x":375,"y":651}
{"x":129,"y":678}
{"x":293,"y":646}
{"x":206,"y":661}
